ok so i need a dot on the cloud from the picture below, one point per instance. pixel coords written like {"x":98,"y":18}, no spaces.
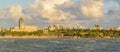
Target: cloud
{"x":13,"y":12}
{"x":113,"y":14}
{"x":92,"y":8}
{"x":44,"y":12}
{"x":117,"y":1}
{"x":48,"y":9}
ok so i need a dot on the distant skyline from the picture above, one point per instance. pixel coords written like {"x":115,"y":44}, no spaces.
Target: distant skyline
{"x":67,"y":12}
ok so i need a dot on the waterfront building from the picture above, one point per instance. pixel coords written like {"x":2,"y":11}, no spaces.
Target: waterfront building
{"x":75,"y":27}
{"x":82,"y":28}
{"x":55,"y":27}
{"x":52,"y":28}
{"x":45,"y":31}
{"x":116,"y":28}
{"x":96,"y":27}
{"x":23,"y":27}
{"x":108,"y":28}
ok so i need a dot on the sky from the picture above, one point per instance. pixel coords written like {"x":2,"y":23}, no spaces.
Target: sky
{"x":8,"y":3}
{"x":66,"y":12}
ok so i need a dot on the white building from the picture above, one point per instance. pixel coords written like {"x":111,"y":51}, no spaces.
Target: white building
{"x":82,"y":27}
{"x":116,"y":28}
{"x":96,"y":27}
{"x":54,"y":27}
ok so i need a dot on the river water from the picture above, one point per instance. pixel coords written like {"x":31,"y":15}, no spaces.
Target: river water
{"x":59,"y":45}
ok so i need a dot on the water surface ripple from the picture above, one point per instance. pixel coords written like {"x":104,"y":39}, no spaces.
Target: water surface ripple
{"x":59,"y":45}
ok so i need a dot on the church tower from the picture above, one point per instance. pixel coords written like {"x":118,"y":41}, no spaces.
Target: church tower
{"x":21,"y":23}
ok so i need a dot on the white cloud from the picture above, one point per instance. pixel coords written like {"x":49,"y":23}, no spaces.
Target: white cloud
{"x":59,"y":11}
{"x":48,"y":9}
{"x":92,"y":8}
{"x":13,"y":12}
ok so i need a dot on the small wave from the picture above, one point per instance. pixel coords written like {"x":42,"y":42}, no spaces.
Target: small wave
{"x":56,"y":42}
{"x":4,"y":40}
{"x":92,"y":41}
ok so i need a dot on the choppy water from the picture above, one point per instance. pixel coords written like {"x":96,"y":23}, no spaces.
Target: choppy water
{"x":60,"y":45}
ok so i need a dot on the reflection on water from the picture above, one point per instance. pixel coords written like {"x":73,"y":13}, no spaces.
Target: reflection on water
{"x":60,"y":45}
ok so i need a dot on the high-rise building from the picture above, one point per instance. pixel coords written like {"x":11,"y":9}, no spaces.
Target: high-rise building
{"x":23,"y":27}
{"x":21,"y":23}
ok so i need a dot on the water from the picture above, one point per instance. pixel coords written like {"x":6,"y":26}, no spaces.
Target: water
{"x":60,"y":45}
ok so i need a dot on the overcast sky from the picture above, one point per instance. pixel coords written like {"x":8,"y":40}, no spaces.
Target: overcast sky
{"x":67,"y":12}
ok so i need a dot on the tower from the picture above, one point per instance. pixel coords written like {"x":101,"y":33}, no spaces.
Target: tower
{"x":21,"y":23}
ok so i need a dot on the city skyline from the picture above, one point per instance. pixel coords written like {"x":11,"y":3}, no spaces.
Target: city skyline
{"x":67,"y":12}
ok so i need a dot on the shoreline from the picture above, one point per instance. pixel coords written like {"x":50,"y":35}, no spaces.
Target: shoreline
{"x":39,"y":37}
{"x":26,"y":37}
{"x":74,"y":37}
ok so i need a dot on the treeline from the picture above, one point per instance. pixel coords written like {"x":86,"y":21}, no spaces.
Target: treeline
{"x":66,"y":32}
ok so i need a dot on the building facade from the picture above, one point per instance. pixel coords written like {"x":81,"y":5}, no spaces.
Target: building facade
{"x":96,"y":27}
{"x":23,"y":27}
